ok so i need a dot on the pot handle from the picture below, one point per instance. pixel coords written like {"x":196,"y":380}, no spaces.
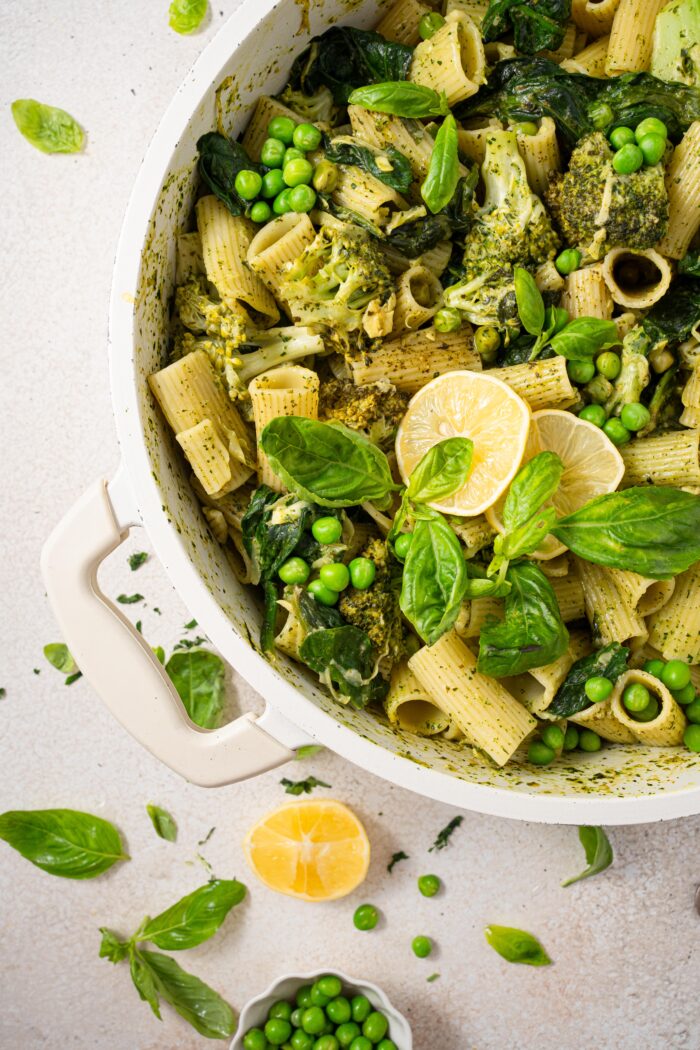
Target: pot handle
{"x":121,"y":665}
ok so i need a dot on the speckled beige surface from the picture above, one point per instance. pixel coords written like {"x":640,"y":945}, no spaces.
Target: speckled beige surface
{"x":625,"y":945}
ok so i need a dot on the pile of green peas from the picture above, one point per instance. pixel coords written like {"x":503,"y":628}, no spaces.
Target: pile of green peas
{"x":633,"y":416}
{"x":675,"y":675}
{"x":290,"y":181}
{"x":646,"y":144}
{"x":554,"y":740}
{"x":334,"y":577}
{"x":322,"y":1018}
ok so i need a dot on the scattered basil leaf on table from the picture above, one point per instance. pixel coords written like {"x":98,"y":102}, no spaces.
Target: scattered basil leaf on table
{"x":47,"y":128}
{"x":137,"y":559}
{"x":187,"y":15}
{"x":399,"y":176}
{"x":442,"y":471}
{"x":219,"y":161}
{"x":445,"y":834}
{"x":302,"y":787}
{"x":63,"y":842}
{"x":532,"y":486}
{"x":517,"y":946}
{"x":395,"y":859}
{"x":584,"y":337}
{"x":195,"y":918}
{"x":111,"y":947}
{"x":529,"y":300}
{"x":654,"y":531}
{"x":608,"y":662}
{"x":599,"y":854}
{"x":441,"y":181}
{"x":401,"y":98}
{"x":433,"y":977}
{"x":199,"y":678}
{"x":164,"y":824}
{"x":157,"y":976}
{"x":129,"y":599}
{"x":346,"y":660}
{"x":307,"y":751}
{"x":59,"y":656}
{"x":434,"y":579}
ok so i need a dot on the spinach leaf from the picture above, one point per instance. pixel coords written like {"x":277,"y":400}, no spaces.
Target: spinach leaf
{"x":199,"y":677}
{"x":63,"y":842}
{"x":653,"y":531}
{"x":530,"y":302}
{"x":400,"y":175}
{"x":532,"y":633}
{"x":195,"y":918}
{"x":187,"y":15}
{"x":273,"y":526}
{"x":608,"y":662}
{"x":599,"y":854}
{"x":443,"y":172}
{"x":517,"y":946}
{"x":344,"y":57}
{"x":219,"y":161}
{"x":532,"y":486}
{"x":346,"y":660}
{"x":163,"y":822}
{"x":584,"y":337}
{"x":327,"y":463}
{"x":401,"y":98}
{"x":443,"y":470}
{"x":59,"y":656}
{"x":302,"y":787}
{"x":158,"y":976}
{"x":690,"y":264}
{"x":434,"y":579}
{"x":137,"y":559}
{"x":47,"y":128}
{"x":673,"y":318}
{"x":538,"y":25}
{"x":414,"y":238}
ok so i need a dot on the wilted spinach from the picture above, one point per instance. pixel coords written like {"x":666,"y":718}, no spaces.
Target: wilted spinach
{"x":220,"y":160}
{"x":609,"y":662}
{"x":344,"y":58}
{"x":400,"y":175}
{"x":346,"y":661}
{"x":537,"y":25}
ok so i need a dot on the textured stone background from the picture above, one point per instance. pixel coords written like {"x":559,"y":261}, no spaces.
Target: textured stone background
{"x":625,"y":945}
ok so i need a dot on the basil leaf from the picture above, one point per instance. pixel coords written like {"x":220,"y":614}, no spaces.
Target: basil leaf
{"x":111,"y":947}
{"x":196,"y":917}
{"x":326,"y":463}
{"x":654,"y":531}
{"x":59,"y":657}
{"x":530,"y":302}
{"x":599,"y":854}
{"x":608,"y":662}
{"x":144,"y":981}
{"x":517,"y":946}
{"x":442,"y":471}
{"x":526,"y":538}
{"x":532,"y":486}
{"x":532,"y":633}
{"x":165,"y":826}
{"x":187,"y":15}
{"x":400,"y":175}
{"x":434,"y":579}
{"x":346,"y":661}
{"x":200,"y":1005}
{"x":443,"y":171}
{"x":199,"y":677}
{"x":401,"y":98}
{"x":584,"y":337}
{"x":63,"y":842}
{"x":47,"y":128}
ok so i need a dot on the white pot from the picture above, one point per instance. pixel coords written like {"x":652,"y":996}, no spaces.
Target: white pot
{"x":618,"y":785}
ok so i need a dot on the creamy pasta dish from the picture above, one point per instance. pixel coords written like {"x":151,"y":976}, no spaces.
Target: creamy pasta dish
{"x":435,"y":369}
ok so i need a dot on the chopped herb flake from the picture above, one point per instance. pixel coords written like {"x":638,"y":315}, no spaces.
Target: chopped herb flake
{"x":302,"y":787}
{"x":308,"y":751}
{"x":395,"y":858}
{"x":190,"y":625}
{"x":129,"y":599}
{"x":136,"y":560}
{"x":444,"y":836}
{"x":433,"y":977}
{"x":73,"y":678}
{"x":203,"y":842}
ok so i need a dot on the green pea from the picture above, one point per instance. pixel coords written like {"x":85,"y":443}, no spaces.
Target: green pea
{"x":653,"y":148}
{"x":636,"y":697}
{"x":539,"y":754}
{"x":598,"y":689}
{"x":361,"y":1043}
{"x":362,"y":573}
{"x":306,"y":137}
{"x":347,"y":1032}
{"x":330,"y":985}
{"x":366,"y":917}
{"x":422,"y":947}
{"x":304,"y":996}
{"x":608,"y":364}
{"x":277,"y":1031}
{"x":600,"y":115}
{"x":272,"y":153}
{"x":553,"y":737}
{"x":318,"y":590}
{"x":327,"y":529}
{"x":280,"y":204}
{"x":318,"y":996}
{"x":292,"y":153}
{"x":692,"y":711}
{"x":254,"y":1039}
{"x":325,"y":178}
{"x":594,"y":414}
{"x":387,"y":1044}
{"x":570,"y":738}
{"x":326,"y":1042}
{"x":272,"y":183}
{"x":620,"y":137}
{"x":281,"y":1009}
{"x":487,"y":340}
{"x":647,"y":714}
{"x":447,"y":319}
{"x":568,"y":261}
{"x":335,"y":576}
{"x":313,"y":1020}
{"x":402,"y":543}
{"x":281,"y":128}
{"x":525,"y":127}
{"x":650,"y":126}
{"x":248,"y":184}
{"x":580,"y":371}
{"x":375,"y":1027}
{"x":429,"y":24}
{"x":628,"y":159}
{"x":589,"y":741}
{"x":302,"y":198}
{"x":654,"y":667}
{"x":616,"y":431}
{"x":296,"y":1017}
{"x":684,"y":696}
{"x":294,"y":570}
{"x":361,"y":1006}
{"x":297,"y":172}
{"x":339,"y":1010}
{"x":261,"y":212}
{"x":676,"y":674}
{"x":634,"y":416}
{"x":429,"y":885}
{"x":691,"y":738}
{"x":301,"y":1040}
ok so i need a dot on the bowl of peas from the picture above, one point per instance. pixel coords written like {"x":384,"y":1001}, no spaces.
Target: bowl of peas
{"x":321,"y":1011}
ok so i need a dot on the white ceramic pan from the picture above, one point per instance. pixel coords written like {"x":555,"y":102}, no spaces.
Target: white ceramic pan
{"x":252,"y":54}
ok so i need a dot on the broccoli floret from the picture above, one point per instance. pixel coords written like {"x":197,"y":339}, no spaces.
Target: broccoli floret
{"x":376,"y":610}
{"x":341,"y":286}
{"x":511,"y":229}
{"x":597,"y":209}
{"x":376,"y":408}
{"x":203,"y":312}
{"x":634,"y":373}
{"x":316,"y":107}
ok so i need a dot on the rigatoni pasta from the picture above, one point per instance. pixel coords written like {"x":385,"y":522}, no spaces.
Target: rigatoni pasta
{"x":291,"y":391}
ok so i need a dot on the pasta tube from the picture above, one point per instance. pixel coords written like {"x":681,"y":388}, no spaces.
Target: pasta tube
{"x":675,"y":629}
{"x":594,"y":16}
{"x":418,"y":296}
{"x":410,"y":707}
{"x":683,"y":188}
{"x":400,"y":23}
{"x":635,"y":279}
{"x":632,"y":36}
{"x":590,"y":61}
{"x":611,"y":604}
{"x":277,"y":245}
{"x":543,"y":384}
{"x":452,"y":60}
{"x":667,"y":459}
{"x":415,"y":358}
{"x":288,"y":391}
{"x":587,"y":295}
{"x":540,"y":153}
{"x":666,"y":730}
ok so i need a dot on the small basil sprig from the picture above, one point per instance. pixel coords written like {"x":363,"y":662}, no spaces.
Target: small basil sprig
{"x":517,"y":946}
{"x":163,"y":823}
{"x":527,"y":521}
{"x":442,"y":471}
{"x":434,"y":578}
{"x":599,"y":853}
{"x":63,"y":842}
{"x":401,"y":98}
{"x":577,"y":340}
{"x":443,"y":172}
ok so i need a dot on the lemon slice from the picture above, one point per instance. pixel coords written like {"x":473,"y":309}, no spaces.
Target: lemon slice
{"x":473,"y":405}
{"x":592,"y":467}
{"x":314,"y":850}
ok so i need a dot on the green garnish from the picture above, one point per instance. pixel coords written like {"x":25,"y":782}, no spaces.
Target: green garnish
{"x":63,"y":842}
{"x":187,"y":15}
{"x":47,"y":128}
{"x":129,"y":599}
{"x":395,"y":858}
{"x":137,"y":559}
{"x":302,"y":787}
{"x":517,"y":946}
{"x":162,"y":821}
{"x":443,"y":837}
{"x":599,"y":853}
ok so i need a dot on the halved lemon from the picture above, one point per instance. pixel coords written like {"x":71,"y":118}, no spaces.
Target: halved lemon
{"x":592,"y":467}
{"x":473,"y":405}
{"x":315,"y":850}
